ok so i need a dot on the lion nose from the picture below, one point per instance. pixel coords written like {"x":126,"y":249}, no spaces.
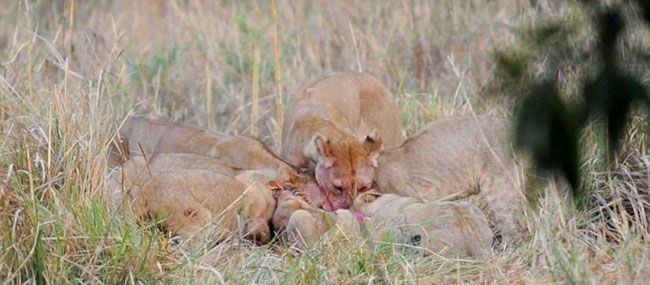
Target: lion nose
{"x":351,"y":186}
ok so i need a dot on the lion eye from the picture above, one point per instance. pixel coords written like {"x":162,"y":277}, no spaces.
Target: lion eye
{"x":339,"y":189}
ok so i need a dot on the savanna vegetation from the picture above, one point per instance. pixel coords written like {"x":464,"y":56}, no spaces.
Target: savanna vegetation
{"x":70,"y":71}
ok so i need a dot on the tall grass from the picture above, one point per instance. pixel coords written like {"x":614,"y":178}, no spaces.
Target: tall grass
{"x":71,"y":70}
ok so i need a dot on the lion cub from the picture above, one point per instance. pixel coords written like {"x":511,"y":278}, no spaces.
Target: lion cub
{"x":450,"y":228}
{"x":336,"y":127}
{"x":190,"y":200}
{"x":455,"y":228}
{"x":458,"y":157}
{"x":301,"y":224}
{"x":146,"y":136}
{"x":179,"y":178}
{"x":137,"y":170}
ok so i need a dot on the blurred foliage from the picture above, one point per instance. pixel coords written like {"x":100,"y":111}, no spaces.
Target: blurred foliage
{"x":573,"y":72}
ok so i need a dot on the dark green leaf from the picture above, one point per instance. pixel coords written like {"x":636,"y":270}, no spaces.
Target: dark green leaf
{"x":645,"y":10}
{"x":610,"y":97}
{"x":627,"y":93}
{"x":544,"y":128}
{"x":514,"y":66}
{"x":610,"y":25}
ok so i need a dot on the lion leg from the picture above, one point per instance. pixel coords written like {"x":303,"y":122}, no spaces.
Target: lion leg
{"x":503,"y":201}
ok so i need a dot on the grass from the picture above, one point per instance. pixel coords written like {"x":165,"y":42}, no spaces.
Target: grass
{"x":71,"y":70}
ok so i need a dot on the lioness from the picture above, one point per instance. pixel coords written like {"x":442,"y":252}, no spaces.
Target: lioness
{"x":336,"y":126}
{"x":453,"y":156}
{"x":453,"y":228}
{"x":137,"y":170}
{"x":145,"y":136}
{"x":302,"y":225}
{"x":189,"y":200}
{"x":450,"y":228}
{"x":131,"y":175}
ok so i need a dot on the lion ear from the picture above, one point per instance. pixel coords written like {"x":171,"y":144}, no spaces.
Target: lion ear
{"x":317,"y":148}
{"x":373,"y":145}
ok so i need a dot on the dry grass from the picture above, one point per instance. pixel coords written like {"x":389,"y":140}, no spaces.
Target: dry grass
{"x":70,"y":70}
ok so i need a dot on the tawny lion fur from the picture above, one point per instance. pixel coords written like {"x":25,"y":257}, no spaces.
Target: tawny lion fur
{"x":181,"y":173}
{"x":146,"y":136}
{"x":455,"y":228}
{"x":335,"y":126}
{"x":457,"y":157}
{"x":302,"y":225}
{"x":190,"y":200}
